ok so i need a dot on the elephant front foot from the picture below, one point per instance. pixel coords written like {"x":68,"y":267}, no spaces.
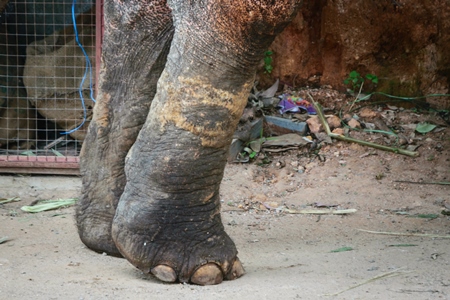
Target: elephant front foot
{"x":176,"y":243}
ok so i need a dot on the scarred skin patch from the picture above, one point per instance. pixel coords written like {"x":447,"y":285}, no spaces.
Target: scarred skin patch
{"x":196,"y":106}
{"x":102,"y":111}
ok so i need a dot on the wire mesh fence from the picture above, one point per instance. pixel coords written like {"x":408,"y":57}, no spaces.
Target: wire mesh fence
{"x":47,"y":80}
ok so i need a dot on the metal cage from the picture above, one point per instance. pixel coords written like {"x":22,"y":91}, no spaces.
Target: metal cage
{"x":48,"y":70}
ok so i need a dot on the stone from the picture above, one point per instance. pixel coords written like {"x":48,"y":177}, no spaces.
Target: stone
{"x":310,"y":165}
{"x":279,"y":126}
{"x":347,"y":117}
{"x":300,"y":117}
{"x":314,"y":124}
{"x":259,"y":198}
{"x":354,"y":124}
{"x":339,"y":131}
{"x":367,"y":113}
{"x":272,"y":204}
{"x":248,"y":114}
{"x":334,"y":122}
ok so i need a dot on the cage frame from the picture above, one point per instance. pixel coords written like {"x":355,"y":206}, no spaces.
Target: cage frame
{"x":56,"y":165}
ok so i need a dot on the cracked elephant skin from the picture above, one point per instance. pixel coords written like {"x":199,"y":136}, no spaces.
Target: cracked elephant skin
{"x":174,"y":81}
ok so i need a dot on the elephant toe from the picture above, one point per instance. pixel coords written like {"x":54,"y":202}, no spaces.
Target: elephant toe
{"x":207,"y":274}
{"x":164,"y":273}
{"x":237,"y":270}
{"x":210,"y":273}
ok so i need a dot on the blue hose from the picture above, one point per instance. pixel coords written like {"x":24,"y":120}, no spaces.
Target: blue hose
{"x":87,"y":69}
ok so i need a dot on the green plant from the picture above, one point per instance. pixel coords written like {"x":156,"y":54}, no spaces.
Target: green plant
{"x":268,"y":62}
{"x":356,"y":80}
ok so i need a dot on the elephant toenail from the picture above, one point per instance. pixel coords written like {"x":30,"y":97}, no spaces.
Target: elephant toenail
{"x":207,"y":275}
{"x":164,"y":273}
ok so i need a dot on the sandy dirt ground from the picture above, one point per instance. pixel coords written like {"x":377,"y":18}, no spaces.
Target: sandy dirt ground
{"x":287,"y":255}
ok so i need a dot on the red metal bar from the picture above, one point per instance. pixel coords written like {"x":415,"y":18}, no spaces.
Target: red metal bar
{"x":69,"y":165}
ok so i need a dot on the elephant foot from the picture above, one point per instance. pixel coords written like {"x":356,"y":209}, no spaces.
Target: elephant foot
{"x":178,"y":259}
{"x":176,"y":243}
{"x":94,"y":227}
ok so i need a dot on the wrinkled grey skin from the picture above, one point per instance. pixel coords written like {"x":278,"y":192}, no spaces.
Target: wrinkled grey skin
{"x":163,"y":213}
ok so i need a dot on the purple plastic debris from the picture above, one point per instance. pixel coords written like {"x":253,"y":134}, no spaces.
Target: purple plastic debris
{"x":287,"y":105}
{"x":295,"y":104}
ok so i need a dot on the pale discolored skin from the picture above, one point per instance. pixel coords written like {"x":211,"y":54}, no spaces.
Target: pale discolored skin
{"x":167,"y":221}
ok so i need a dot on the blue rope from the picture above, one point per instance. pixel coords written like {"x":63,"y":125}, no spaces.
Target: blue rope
{"x":87,"y":69}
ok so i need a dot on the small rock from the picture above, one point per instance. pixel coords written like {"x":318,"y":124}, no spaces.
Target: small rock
{"x":412,"y":147}
{"x":347,"y":117}
{"x":232,"y":223}
{"x":368,"y":113}
{"x":355,"y":147}
{"x":301,"y":117}
{"x":370,"y":126}
{"x":314,"y":124}
{"x":354,"y":124}
{"x":294,"y":164}
{"x":270,"y":102}
{"x":248,"y":114}
{"x":259,"y":198}
{"x":334,"y":122}
{"x":311,"y":165}
{"x":272,"y":204}
{"x":323,"y":137}
{"x":339,"y":131}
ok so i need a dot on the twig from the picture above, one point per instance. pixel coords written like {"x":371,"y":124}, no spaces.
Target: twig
{"x":321,"y":211}
{"x":408,"y":234}
{"x":232,"y":209}
{"x":393,"y":273}
{"x":13,"y":199}
{"x":352,"y":140}
{"x":357,"y":96}
{"x":57,"y":141}
{"x":374,"y":145}
{"x":425,"y":182}
{"x":65,"y":136}
{"x":417,"y":291}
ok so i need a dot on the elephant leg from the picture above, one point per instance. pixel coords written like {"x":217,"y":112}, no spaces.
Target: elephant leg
{"x":137,"y":37}
{"x":168,"y":219}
